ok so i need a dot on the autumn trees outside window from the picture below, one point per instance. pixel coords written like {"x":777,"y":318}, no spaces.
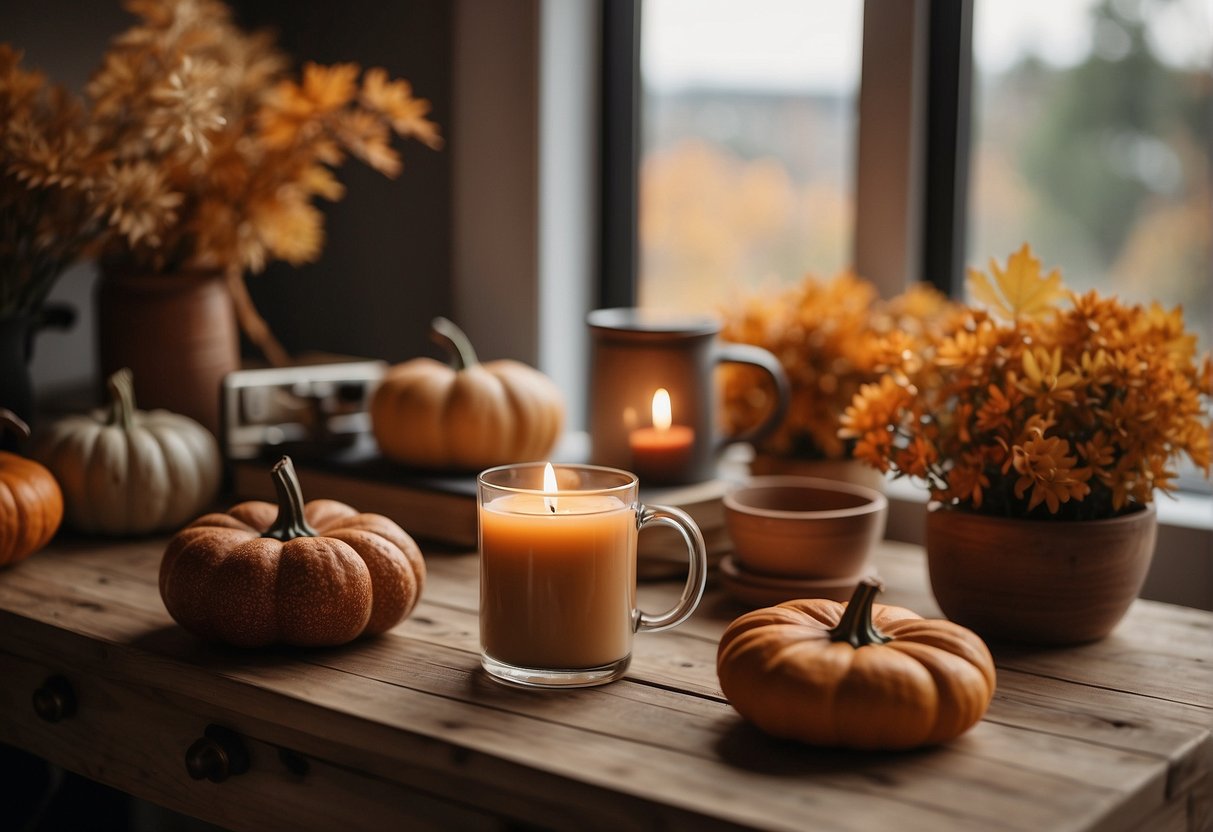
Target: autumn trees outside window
{"x":1090,"y":138}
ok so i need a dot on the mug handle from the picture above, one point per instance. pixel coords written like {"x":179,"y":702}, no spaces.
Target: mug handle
{"x":697,"y":576}
{"x":733,"y":353}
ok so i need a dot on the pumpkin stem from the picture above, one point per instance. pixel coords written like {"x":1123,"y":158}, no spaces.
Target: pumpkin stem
{"x":13,"y":423}
{"x":856,"y":627}
{"x":122,"y":398}
{"x":290,"y":523}
{"x":453,"y":339}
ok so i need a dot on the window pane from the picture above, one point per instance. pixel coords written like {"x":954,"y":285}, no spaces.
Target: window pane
{"x":1092,"y":141}
{"x":747,"y":159}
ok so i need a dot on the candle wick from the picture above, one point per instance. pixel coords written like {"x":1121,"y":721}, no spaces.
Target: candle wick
{"x":553,"y":508}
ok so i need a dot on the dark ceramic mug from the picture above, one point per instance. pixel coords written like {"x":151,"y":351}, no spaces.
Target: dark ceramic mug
{"x":634,"y":354}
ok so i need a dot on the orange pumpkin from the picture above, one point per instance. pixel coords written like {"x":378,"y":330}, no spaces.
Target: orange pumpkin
{"x":467,"y":416}
{"x":855,"y":675}
{"x":31,"y":504}
{"x":307,"y":575}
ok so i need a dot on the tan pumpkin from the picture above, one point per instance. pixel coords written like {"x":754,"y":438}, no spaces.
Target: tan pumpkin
{"x":31,"y":505}
{"x":467,"y":416}
{"x":305,"y":575}
{"x":127,"y":471}
{"x":855,"y":675}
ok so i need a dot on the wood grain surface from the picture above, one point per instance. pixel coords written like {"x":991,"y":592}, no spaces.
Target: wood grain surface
{"x":1111,"y":736}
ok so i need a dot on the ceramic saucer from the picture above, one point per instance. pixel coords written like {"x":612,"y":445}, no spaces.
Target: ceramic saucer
{"x":766,"y":590}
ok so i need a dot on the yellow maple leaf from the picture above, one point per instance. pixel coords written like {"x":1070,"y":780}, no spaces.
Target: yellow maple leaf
{"x":1019,"y":291}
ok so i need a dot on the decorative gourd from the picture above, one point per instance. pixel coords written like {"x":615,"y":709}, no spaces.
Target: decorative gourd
{"x":467,"y":416}
{"x":306,"y":575}
{"x":855,"y":675}
{"x":126,"y":471}
{"x":31,"y":505}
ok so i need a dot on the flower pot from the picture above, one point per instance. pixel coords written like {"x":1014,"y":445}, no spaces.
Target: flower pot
{"x":1039,"y":582}
{"x":177,"y":333}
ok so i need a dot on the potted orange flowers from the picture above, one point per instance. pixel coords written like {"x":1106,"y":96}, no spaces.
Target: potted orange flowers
{"x":1043,"y":424}
{"x":832,"y":336}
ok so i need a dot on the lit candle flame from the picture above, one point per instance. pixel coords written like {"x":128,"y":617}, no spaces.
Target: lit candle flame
{"x":662,"y":418}
{"x":549,"y":487}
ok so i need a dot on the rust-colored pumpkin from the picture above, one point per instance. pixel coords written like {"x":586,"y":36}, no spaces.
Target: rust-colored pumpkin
{"x":855,"y":675}
{"x":31,"y":504}
{"x":466,"y":416}
{"x":306,"y":575}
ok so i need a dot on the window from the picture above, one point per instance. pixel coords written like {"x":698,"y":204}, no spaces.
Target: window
{"x":1091,"y":140}
{"x":748,"y":144}
{"x":1011,"y":97}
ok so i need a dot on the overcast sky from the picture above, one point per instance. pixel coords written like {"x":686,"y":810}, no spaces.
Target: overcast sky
{"x":794,"y":44}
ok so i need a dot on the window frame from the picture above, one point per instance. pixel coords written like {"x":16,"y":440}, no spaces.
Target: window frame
{"x":922,"y":51}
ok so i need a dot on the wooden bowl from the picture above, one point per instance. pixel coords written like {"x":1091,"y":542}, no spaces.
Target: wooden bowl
{"x":804,"y":527}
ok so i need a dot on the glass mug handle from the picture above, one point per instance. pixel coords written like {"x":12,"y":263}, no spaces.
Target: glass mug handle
{"x":697,"y":576}
{"x":733,"y":353}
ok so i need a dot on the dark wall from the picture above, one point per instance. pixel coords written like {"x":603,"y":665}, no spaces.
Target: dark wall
{"x":385,"y":270}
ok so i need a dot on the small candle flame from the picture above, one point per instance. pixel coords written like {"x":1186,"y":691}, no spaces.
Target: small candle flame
{"x":549,"y":487}
{"x":662,"y":418}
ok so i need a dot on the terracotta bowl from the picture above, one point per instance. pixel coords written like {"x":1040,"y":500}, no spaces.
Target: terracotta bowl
{"x":1038,"y":581}
{"x":804,"y":527}
{"x":757,"y":590}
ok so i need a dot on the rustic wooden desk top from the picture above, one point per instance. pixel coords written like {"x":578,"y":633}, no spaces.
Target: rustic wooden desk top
{"x":1114,"y":735}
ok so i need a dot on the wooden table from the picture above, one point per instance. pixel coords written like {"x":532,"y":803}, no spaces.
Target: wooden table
{"x":1114,"y":735}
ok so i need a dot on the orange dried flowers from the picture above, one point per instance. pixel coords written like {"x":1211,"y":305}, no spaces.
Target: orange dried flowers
{"x":831,"y":336}
{"x":193,"y":148}
{"x":1049,"y":404}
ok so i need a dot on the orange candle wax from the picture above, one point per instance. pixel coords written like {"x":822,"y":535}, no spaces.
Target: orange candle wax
{"x":662,"y":453}
{"x":558,"y":577}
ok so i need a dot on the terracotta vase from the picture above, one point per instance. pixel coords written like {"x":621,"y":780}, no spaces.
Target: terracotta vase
{"x":840,"y":470}
{"x":177,"y":333}
{"x":1038,"y":582}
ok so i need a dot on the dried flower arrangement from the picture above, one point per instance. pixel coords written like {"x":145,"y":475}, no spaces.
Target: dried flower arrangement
{"x":1035,"y":409}
{"x":832,"y":337}
{"x":45,"y":219}
{"x":193,"y":149}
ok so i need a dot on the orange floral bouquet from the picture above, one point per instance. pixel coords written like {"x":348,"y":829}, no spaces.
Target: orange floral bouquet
{"x":194,"y":147}
{"x":832,"y":337}
{"x":1048,"y":404}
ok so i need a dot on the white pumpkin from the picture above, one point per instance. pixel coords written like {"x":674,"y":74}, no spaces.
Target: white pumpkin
{"x":127,"y":471}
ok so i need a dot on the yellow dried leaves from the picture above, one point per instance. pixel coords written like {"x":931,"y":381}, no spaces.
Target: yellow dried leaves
{"x":192,"y":149}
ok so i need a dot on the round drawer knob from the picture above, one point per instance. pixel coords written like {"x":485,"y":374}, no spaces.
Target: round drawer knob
{"x":55,"y":700}
{"x":217,"y":755}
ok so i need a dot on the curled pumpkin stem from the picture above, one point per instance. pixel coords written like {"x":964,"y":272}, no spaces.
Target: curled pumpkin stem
{"x":122,"y":398}
{"x":13,"y":424}
{"x":455,"y":341}
{"x":856,"y":627}
{"x":290,"y":522}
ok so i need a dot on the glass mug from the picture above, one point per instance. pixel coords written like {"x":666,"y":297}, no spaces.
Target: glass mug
{"x":636,"y":352}
{"x":558,"y":572}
